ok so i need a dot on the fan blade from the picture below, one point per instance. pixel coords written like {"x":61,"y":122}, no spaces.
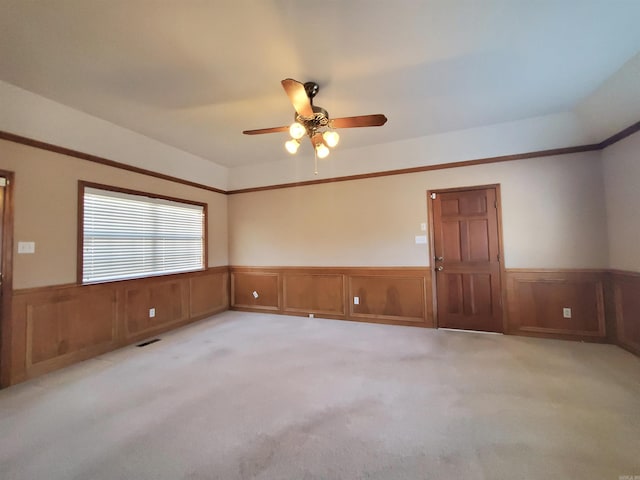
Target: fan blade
{"x":298,"y":96}
{"x":266,"y":130}
{"x":360,"y":121}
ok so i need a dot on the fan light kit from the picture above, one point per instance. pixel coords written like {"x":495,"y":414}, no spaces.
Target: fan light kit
{"x":314,"y":122}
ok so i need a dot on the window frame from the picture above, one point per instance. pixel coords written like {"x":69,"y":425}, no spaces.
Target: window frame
{"x":83,"y":185}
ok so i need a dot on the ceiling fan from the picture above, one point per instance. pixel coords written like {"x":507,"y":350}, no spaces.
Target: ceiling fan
{"x":314,"y":121}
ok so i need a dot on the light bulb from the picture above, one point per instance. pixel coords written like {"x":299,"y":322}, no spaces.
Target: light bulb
{"x":292,"y":146}
{"x":331,"y":138}
{"x":321,"y":150}
{"x":297,"y":130}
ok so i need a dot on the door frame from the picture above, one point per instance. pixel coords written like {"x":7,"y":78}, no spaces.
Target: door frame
{"x":503,"y":280}
{"x":6,"y":257}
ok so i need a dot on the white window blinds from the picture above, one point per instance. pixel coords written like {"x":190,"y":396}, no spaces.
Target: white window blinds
{"x":129,"y":236}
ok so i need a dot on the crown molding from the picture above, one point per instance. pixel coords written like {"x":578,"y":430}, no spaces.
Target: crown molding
{"x":480,"y":161}
{"x":12,"y":137}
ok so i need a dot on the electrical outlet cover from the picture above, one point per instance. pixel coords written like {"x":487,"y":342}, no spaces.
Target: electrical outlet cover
{"x":26,"y":247}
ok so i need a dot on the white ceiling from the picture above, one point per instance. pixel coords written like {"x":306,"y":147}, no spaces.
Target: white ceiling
{"x":194,"y":74}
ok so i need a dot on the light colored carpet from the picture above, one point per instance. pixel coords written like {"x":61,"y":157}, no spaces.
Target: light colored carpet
{"x":251,"y":396}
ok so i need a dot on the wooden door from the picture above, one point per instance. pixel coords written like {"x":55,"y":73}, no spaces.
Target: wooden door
{"x":467,"y":259}
{"x":3,"y":183}
{"x":6,"y":286}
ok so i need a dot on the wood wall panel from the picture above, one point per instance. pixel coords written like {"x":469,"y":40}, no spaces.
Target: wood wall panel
{"x":626,"y":294}
{"x":394,"y":295}
{"x":388,"y":298}
{"x":169,"y":299}
{"x":265,"y":284}
{"x":536,"y":300}
{"x":56,"y":326}
{"x":320,"y":294}
{"x":209,"y":294}
{"x":66,"y":324}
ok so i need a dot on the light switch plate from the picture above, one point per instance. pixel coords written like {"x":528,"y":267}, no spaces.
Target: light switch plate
{"x":423,"y":227}
{"x":421,"y":239}
{"x":356,"y":300}
{"x":566,"y":312}
{"x":26,"y":247}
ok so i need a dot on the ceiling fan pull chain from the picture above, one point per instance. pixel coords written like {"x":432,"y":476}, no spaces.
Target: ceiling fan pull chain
{"x":315,"y":162}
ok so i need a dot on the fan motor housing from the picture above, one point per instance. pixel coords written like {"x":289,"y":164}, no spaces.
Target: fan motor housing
{"x":312,"y":89}
{"x":312,"y":124}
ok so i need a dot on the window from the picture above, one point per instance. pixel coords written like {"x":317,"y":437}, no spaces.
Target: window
{"x":126,"y":234}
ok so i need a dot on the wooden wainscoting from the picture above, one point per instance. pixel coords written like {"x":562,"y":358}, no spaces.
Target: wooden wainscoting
{"x":306,"y":292}
{"x":394,"y":295}
{"x":536,"y":299}
{"x":605,"y":306}
{"x":626,"y":308}
{"x":57,"y":330}
{"x":170,"y":299}
{"x":255,"y":290}
{"x":56,"y":326}
{"x":209,"y":294}
{"x":397,"y":297}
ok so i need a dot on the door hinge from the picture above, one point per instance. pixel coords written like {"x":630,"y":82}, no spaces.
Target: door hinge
{"x":498,"y":256}
{"x":433,"y":196}
{"x":495,"y":204}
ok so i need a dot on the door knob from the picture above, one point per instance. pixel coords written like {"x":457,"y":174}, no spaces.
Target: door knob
{"x":440,"y":268}
{"x":438,"y":259}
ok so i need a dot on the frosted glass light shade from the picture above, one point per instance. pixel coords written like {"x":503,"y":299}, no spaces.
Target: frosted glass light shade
{"x":331,"y":138}
{"x":297,"y":130}
{"x":322,"y":150}
{"x":292,"y":146}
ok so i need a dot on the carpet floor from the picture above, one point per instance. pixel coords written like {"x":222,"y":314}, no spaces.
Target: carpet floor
{"x":252,"y":396}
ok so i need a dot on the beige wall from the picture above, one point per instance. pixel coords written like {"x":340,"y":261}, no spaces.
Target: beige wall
{"x":527,"y":135}
{"x":621,"y":172}
{"x":32,"y":116}
{"x":553,"y":214}
{"x":46,"y":197}
{"x":553,"y":217}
